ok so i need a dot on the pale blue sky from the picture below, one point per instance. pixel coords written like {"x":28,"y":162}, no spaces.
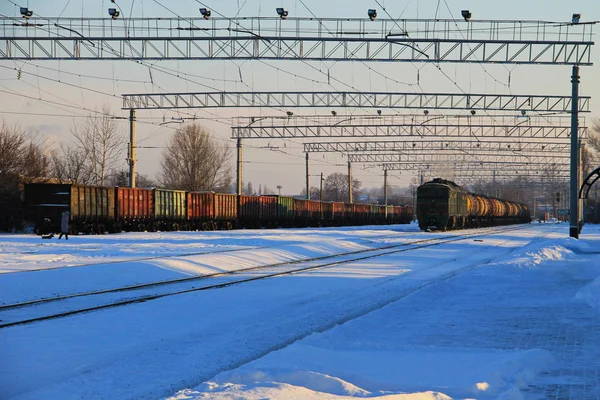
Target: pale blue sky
{"x":265,"y":166}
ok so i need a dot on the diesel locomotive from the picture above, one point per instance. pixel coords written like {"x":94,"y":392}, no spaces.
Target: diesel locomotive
{"x":444,"y":205}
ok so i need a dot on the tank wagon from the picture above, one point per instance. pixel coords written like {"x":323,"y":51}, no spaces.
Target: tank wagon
{"x":443,"y":205}
{"x":114,"y":209}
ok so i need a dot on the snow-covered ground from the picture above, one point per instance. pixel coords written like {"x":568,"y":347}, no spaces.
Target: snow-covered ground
{"x":511,"y":315}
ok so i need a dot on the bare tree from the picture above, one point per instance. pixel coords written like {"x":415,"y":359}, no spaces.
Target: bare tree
{"x":593,"y":139}
{"x":194,"y":161}
{"x":99,"y":138}
{"x":70,"y":164}
{"x":13,"y":143}
{"x":21,"y":159}
{"x":336,"y":187}
{"x":121,"y":178}
{"x":314,"y":193}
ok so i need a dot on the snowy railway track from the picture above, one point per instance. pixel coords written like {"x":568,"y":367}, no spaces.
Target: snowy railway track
{"x":63,"y":306}
{"x":199,"y":253}
{"x":107,"y":262}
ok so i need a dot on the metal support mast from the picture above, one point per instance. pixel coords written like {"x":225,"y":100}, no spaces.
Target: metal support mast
{"x":132,"y":148}
{"x":574,"y":213}
{"x":350,"y":199}
{"x":385,"y":187}
{"x":321,"y":189}
{"x":239,"y":166}
{"x":307,"y":180}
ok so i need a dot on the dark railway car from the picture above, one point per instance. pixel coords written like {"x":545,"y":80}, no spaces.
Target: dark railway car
{"x":362,"y":214}
{"x":285,"y":210}
{"x":301,"y":213}
{"x":327,"y":213}
{"x":134,"y":209}
{"x":338,"y":213}
{"x":249,"y":211}
{"x":268,"y":211}
{"x":314,"y":212}
{"x":443,"y":205}
{"x":307,"y":212}
{"x":92,"y":208}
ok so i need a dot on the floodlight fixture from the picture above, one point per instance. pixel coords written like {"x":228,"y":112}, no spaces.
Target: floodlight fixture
{"x":26,"y":12}
{"x":523,"y":112}
{"x":473,"y":112}
{"x":281,"y":12}
{"x":372,"y":14}
{"x":334,"y":113}
{"x":466,"y":14}
{"x":378,"y":112}
{"x":114,"y":13}
{"x":289,"y":113}
{"x":205,"y":13}
{"x":576,"y":18}
{"x":426,"y":112}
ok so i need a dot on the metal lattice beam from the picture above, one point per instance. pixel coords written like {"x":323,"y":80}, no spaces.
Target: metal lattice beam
{"x":539,"y":176}
{"x":513,"y":170}
{"x":483,"y":167}
{"x":437,"y":146}
{"x":285,"y":100}
{"x":414,"y":126}
{"x":457,"y":158}
{"x":506,"y":42}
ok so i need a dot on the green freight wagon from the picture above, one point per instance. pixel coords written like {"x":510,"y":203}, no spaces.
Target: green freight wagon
{"x":170,"y":213}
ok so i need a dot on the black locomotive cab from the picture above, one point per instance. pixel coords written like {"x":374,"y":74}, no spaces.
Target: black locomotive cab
{"x":433,"y":206}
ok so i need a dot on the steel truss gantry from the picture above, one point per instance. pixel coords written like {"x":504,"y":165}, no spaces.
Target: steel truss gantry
{"x":286,"y":100}
{"x":416,"y":126}
{"x":458,"y":158}
{"x":482,"y":168}
{"x":437,"y":146}
{"x":531,"y":180}
{"x":425,"y":40}
{"x":511,"y":175}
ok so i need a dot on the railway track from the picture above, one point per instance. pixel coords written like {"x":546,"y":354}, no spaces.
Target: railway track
{"x":199,"y":253}
{"x":63,"y":306}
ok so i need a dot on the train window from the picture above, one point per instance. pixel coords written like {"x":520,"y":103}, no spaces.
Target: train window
{"x":433,"y":193}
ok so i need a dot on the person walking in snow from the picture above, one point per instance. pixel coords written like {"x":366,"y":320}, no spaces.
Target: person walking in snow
{"x":64,"y":225}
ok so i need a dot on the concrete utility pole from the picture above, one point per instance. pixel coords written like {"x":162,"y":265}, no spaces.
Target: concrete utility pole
{"x":321,"y":189}
{"x":579,"y":183}
{"x":132,"y":148}
{"x":385,"y":187}
{"x":307,"y":180}
{"x":574,"y":213}
{"x":239,"y":166}
{"x":350,"y":182}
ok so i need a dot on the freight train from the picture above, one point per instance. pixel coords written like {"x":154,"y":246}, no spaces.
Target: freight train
{"x":443,"y":205}
{"x":95,"y":209}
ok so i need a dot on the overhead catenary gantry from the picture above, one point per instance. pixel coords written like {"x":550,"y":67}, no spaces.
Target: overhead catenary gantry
{"x":335,"y":39}
{"x":503,"y":42}
{"x":379,"y":100}
{"x":484,"y":167}
{"x":524,"y":147}
{"x":457,"y":157}
{"x":423,"y":126}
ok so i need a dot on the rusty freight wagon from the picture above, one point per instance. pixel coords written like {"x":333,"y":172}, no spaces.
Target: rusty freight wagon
{"x":226,"y":210}
{"x":249,"y":211}
{"x":134,"y":209}
{"x":201,"y":211}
